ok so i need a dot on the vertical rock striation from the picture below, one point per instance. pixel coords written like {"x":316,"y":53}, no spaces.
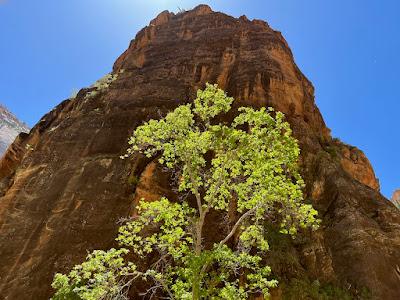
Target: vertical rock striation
{"x":63,"y":195}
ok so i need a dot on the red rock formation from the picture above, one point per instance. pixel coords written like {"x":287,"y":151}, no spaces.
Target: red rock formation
{"x":355,"y":162}
{"x":64,"y":196}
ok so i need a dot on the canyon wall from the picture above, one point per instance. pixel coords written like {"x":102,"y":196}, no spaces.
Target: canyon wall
{"x":64,"y":187}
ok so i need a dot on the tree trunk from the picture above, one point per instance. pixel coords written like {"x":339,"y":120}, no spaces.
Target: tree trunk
{"x":196,"y":288}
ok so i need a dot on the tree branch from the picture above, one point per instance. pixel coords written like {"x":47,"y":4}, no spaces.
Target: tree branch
{"x":200,"y":222}
{"x":238,"y":222}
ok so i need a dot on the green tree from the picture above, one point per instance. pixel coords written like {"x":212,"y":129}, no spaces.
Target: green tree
{"x":247,"y":170}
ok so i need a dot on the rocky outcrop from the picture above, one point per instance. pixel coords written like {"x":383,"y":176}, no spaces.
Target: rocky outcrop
{"x":64,"y":194}
{"x":10,"y":127}
{"x":355,"y":163}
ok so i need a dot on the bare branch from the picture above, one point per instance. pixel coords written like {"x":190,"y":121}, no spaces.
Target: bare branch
{"x":235,"y":227}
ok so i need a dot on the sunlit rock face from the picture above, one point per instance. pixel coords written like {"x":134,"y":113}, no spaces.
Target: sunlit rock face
{"x":10,"y":127}
{"x":64,"y":186}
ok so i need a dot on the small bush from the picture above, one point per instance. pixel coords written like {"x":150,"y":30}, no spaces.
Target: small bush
{"x":133,"y":180}
{"x":74,"y":93}
{"x":333,"y":152}
{"x":103,"y":84}
{"x":304,"y":289}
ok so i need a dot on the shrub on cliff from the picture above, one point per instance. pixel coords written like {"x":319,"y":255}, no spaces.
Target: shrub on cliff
{"x":245,"y":170}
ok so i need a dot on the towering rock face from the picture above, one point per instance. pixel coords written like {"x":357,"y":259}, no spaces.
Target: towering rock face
{"x":63,"y":194}
{"x":10,"y":127}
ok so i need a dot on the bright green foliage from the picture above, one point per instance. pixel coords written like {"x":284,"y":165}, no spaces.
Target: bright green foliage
{"x":171,"y":237}
{"x":105,"y":275}
{"x":246,"y":170}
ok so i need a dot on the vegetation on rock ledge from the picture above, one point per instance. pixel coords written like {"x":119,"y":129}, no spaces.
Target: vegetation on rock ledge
{"x":245,"y":170}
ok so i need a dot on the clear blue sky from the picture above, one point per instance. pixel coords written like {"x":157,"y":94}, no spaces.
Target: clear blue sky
{"x":349,"y":49}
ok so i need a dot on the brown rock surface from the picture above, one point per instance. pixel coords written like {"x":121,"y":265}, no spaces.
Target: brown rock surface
{"x":63,"y":195}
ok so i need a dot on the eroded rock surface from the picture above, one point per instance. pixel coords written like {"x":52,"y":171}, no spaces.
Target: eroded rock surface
{"x":63,"y":195}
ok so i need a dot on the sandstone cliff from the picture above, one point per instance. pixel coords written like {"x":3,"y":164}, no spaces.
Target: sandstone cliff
{"x":63,"y":194}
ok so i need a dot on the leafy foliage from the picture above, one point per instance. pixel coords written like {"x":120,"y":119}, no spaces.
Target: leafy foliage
{"x":102,"y":84}
{"x":102,"y":276}
{"x":248,"y":167}
{"x":304,"y":289}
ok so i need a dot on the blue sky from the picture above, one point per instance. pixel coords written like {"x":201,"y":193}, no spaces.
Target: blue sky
{"x":349,"y":49}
